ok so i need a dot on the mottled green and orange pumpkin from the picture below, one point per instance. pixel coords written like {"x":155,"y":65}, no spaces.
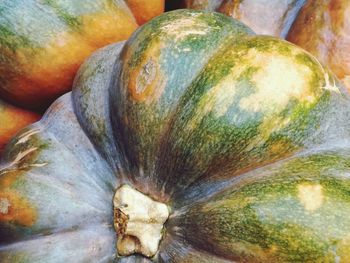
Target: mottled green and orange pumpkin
{"x":243,"y":138}
{"x":43,"y":43}
{"x":320,"y":27}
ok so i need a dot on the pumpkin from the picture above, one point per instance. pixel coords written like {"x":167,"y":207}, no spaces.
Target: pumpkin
{"x":269,"y":17}
{"x":322,"y":29}
{"x":194,"y":141}
{"x":43,"y":44}
{"x":15,"y":119}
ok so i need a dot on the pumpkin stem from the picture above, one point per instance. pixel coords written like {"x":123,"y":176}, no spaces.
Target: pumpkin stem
{"x":138,"y":221}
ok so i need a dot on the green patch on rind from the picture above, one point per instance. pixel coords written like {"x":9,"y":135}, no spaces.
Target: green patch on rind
{"x":293,"y":212}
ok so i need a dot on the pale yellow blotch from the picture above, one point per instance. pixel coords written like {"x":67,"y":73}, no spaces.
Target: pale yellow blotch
{"x":278,"y":80}
{"x":4,"y":206}
{"x":217,"y":100}
{"x":311,"y":196}
{"x":185,"y":27}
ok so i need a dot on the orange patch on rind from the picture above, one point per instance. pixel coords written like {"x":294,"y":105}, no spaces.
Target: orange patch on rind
{"x":16,"y":209}
{"x":146,"y":81}
{"x":12,"y":120}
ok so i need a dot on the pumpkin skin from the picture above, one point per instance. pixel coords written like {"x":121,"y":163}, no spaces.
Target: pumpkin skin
{"x":322,"y":29}
{"x":198,"y":112}
{"x":268,"y":17}
{"x":43,"y":44}
{"x":15,"y":119}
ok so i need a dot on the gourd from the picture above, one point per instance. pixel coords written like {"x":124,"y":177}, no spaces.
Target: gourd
{"x":269,"y":17}
{"x":42,"y":44}
{"x":322,"y":29}
{"x":319,"y":27}
{"x":194,"y":141}
{"x":13,"y":119}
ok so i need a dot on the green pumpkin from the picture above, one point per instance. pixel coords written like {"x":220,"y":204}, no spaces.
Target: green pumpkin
{"x":244,"y":138}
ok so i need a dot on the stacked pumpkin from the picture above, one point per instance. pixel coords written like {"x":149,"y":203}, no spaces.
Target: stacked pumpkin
{"x":194,"y":141}
{"x":44,"y":42}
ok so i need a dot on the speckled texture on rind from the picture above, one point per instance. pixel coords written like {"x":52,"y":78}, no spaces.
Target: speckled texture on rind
{"x":55,"y":193}
{"x":293,"y":211}
{"x":240,"y":103}
{"x":92,"y":105}
{"x":149,"y":86}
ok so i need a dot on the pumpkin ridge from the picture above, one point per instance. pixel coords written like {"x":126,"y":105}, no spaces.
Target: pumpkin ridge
{"x":193,"y":104}
{"x":226,"y":43}
{"x":45,"y":241}
{"x":312,"y":189}
{"x":212,"y":30}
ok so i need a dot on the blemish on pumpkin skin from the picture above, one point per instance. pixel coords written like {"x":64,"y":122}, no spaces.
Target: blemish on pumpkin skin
{"x":310,"y":196}
{"x":17,"y":210}
{"x":185,"y":27}
{"x":4,"y":205}
{"x":146,"y":81}
{"x":146,"y":76}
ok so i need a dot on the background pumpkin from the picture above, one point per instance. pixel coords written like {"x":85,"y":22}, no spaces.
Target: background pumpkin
{"x":270,"y":17}
{"x":43,"y":44}
{"x":322,"y":28}
{"x":199,"y":113}
{"x":12,"y":120}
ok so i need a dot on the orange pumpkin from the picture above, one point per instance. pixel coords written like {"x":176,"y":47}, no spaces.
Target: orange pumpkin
{"x":13,"y":119}
{"x":323,"y":29}
{"x":43,"y":45}
{"x":268,"y":17}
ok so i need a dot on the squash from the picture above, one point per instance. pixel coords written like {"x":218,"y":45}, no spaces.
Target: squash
{"x":194,"y":141}
{"x":15,"y":119}
{"x":43,"y":44}
{"x":322,"y":29}
{"x":268,"y":17}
